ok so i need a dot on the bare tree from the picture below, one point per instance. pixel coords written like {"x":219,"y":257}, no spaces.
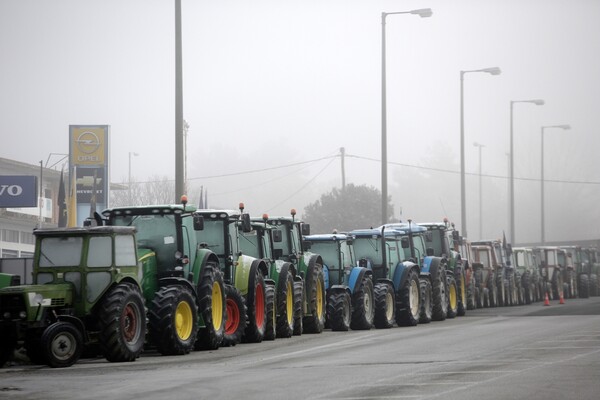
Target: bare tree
{"x":157,"y":190}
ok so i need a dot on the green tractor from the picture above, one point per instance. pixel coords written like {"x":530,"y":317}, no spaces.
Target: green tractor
{"x":259,"y":243}
{"x":442,"y":241}
{"x":309,"y":267}
{"x":247,"y":317}
{"x":86,"y":294}
{"x":181,"y":282}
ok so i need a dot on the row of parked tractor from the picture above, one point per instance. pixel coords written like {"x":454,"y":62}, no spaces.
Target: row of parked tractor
{"x":174,"y":278}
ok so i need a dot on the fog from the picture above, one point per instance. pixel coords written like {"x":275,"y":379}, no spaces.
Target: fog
{"x":272,"y":89}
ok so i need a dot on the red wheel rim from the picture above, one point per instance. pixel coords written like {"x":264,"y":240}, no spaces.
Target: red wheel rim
{"x":129,"y":323}
{"x":233,"y":317}
{"x":260,"y":305}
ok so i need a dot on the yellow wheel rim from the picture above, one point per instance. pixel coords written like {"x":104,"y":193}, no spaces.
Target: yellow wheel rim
{"x":463,"y":290}
{"x":319,"y":298}
{"x":184,"y":320}
{"x":289,"y":303}
{"x":217,"y":306}
{"x":453,"y":303}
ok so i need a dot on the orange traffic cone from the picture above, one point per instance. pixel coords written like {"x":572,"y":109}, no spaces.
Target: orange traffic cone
{"x":546,"y":300}
{"x":562,"y":299}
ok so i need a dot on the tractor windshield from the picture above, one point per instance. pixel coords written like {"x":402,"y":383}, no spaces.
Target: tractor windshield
{"x":367,"y":247}
{"x":60,"y":251}
{"x":520,"y":257}
{"x":213,"y":236}
{"x":329,"y":251}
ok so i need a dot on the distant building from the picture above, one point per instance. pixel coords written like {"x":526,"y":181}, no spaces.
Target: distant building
{"x":17,"y":224}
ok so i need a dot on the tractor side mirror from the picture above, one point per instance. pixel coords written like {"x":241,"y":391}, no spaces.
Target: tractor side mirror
{"x":277,"y":236}
{"x":246,"y":223}
{"x":305,"y":229}
{"x":405,"y":243}
{"x":198,"y":223}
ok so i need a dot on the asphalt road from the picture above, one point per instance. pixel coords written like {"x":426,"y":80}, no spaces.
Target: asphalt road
{"x":526,"y":352}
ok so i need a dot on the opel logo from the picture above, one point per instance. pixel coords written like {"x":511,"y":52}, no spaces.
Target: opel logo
{"x":88,"y":142}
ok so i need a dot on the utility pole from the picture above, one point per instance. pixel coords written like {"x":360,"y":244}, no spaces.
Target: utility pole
{"x":179,"y":160}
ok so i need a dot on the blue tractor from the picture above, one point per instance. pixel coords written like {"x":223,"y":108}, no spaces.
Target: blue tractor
{"x":350,"y":289}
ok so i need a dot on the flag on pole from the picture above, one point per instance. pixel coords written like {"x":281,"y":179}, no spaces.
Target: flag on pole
{"x":201,"y":202}
{"x":72,"y":205}
{"x":62,"y":204}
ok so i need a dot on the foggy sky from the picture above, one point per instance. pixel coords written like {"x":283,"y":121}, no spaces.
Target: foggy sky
{"x":276,"y":82}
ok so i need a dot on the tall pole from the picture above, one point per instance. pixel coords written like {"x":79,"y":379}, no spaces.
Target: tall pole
{"x":423,"y":13}
{"x":542,"y":188}
{"x":342,"y":156}
{"x":41,"y":197}
{"x":384,"y":180}
{"x":480,"y":192}
{"x":463,"y":196}
{"x":537,"y":102}
{"x":179,"y":159}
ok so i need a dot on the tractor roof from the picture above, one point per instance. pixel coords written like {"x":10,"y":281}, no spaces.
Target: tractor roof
{"x":328,"y":237}
{"x":211,"y":213}
{"x":376,"y":233}
{"x":149,"y":210}
{"x":406,"y":227}
{"x":80,"y":231}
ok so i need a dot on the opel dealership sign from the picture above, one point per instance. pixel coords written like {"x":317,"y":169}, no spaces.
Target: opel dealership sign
{"x":18,"y":191}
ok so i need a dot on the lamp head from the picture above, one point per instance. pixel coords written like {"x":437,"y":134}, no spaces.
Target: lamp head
{"x":538,"y":102}
{"x":565,"y":127}
{"x":423,"y":12}
{"x":492,"y":70}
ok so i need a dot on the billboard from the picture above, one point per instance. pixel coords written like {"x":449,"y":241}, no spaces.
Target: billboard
{"x":18,"y":191}
{"x":88,"y":150}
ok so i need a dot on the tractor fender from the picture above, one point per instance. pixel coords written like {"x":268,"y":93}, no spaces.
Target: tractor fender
{"x":326,"y":276}
{"x":339,"y":289}
{"x":78,"y":324}
{"x":175,"y":281}
{"x":432,"y":265}
{"x":203,"y":257}
{"x":356,"y":276}
{"x":310,"y":260}
{"x":402,"y":271}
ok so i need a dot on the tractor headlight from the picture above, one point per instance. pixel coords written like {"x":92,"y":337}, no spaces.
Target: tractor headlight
{"x":38,"y":299}
{"x":22,"y":315}
{"x":6,"y":315}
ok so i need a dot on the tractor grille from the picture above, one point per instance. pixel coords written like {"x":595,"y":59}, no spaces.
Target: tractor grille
{"x":11,"y":305}
{"x":60,"y":302}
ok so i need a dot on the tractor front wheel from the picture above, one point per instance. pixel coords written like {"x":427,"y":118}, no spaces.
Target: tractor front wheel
{"x":212,"y":308}
{"x":426,"y":306}
{"x":298,"y":307}
{"x":314,"y":321}
{"x":452,"y":297}
{"x":257,"y":309}
{"x":285,"y":307}
{"x":385,"y":305}
{"x":363,"y":311}
{"x":61,"y":344}
{"x":407,"y":301}
{"x":271,"y":314}
{"x":339,"y":311}
{"x":236,"y":316}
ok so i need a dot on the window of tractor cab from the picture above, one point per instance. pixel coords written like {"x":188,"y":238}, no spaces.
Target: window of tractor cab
{"x":60,"y":251}
{"x":365,"y":247}
{"x":213,"y":236}
{"x":520,"y":259}
{"x":124,"y":251}
{"x":328,"y":250}
{"x":100,"y":252}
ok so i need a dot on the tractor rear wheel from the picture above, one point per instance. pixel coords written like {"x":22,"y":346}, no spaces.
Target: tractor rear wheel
{"x":501,"y":286}
{"x":61,"y":344}
{"x":173,"y":320}
{"x":584,"y":286}
{"x":594,"y":285}
{"x":363,"y":310}
{"x":236,"y":320}
{"x":122,"y":319}
{"x":452,"y":297}
{"x":438,"y":288}
{"x":285,"y":306}
{"x":212,"y":308}
{"x":471,"y":294}
{"x":7,"y":346}
{"x":426,"y":306}
{"x":526,"y":284}
{"x":385,"y":303}
{"x":314,"y":321}
{"x":407,"y":301}
{"x":461,"y":289}
{"x":257,"y":309}
{"x":493,"y":299}
{"x":271,"y":315}
{"x":485,"y":298}
{"x":298,"y":307}
{"x":339,"y":311}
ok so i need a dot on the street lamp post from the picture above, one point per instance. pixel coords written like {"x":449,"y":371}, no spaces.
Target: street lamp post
{"x":537,"y":102}
{"x":423,"y":13}
{"x":480,"y":192}
{"x":129,"y":175}
{"x":565,"y":127}
{"x":463,"y":203}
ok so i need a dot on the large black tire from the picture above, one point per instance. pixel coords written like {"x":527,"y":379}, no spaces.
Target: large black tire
{"x":339,"y":311}
{"x":485,"y":298}
{"x":173,"y":320}
{"x":363,"y":306}
{"x":407,"y":301}
{"x":557,"y":285}
{"x":439,"y":288}
{"x":426,"y":305}
{"x":298,"y":307}
{"x":492,"y":292}
{"x":212,"y":308}
{"x":237,"y":315}
{"x":314,"y":321}
{"x":471,"y":294}
{"x":461,"y":289}
{"x":271,"y":314}
{"x":285,"y":306}
{"x":512,"y":300}
{"x":584,"y":286}
{"x":593,"y":285}
{"x":385,"y":305}
{"x":452,"y":295}
{"x":61,"y":344}
{"x":122,"y":319}
{"x":7,"y":346}
{"x":257,"y":309}
{"x":479,"y":285}
{"x":527,"y":285}
{"x":500,"y":289}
